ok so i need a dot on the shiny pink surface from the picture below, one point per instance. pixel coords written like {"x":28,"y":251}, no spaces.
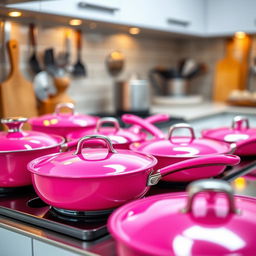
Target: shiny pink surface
{"x":120,"y":138}
{"x":62,"y":123}
{"x":182,"y":147}
{"x":245,"y":138}
{"x":168,"y":153}
{"x":26,"y":140}
{"x":91,"y":163}
{"x":14,"y":171}
{"x":208,"y":230}
{"x":85,"y":190}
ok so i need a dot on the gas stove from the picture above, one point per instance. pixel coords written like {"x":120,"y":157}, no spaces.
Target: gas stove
{"x":24,"y":205}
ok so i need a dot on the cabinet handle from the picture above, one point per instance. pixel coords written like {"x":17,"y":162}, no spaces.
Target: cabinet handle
{"x":96,"y":7}
{"x":183,"y":23}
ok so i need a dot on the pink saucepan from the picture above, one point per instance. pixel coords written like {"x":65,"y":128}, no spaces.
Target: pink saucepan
{"x":62,"y":123}
{"x":18,"y":147}
{"x":120,"y":137}
{"x":239,"y":133}
{"x":91,"y":179}
{"x":207,"y":220}
{"x":179,"y":148}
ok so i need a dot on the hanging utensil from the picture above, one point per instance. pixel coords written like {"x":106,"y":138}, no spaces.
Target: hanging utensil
{"x":79,"y":67}
{"x":33,"y":61}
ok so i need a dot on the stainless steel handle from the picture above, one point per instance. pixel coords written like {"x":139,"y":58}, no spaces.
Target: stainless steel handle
{"x":69,"y":106}
{"x":14,"y":124}
{"x":182,"y":23}
{"x":107,"y":120}
{"x":96,"y":7}
{"x":218,"y":186}
{"x":239,"y":121}
{"x":100,"y":137}
{"x":181,"y":126}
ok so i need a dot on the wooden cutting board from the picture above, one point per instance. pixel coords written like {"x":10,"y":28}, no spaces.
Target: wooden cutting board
{"x":231,"y":73}
{"x":227,"y":78}
{"x":17,"y":97}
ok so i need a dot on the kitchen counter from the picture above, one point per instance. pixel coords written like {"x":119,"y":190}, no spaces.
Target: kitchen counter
{"x":205,"y":109}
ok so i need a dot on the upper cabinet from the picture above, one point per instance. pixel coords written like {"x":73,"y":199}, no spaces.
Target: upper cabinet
{"x":225,"y":17}
{"x":191,"y":17}
{"x":181,"y":16}
{"x":98,"y":10}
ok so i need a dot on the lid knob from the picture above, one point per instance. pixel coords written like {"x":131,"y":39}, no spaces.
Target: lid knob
{"x":181,"y":126}
{"x":14,"y":124}
{"x":239,"y":122}
{"x":108,"y":120}
{"x":217,"y":186}
{"x":97,"y":137}
{"x":70,"y":106}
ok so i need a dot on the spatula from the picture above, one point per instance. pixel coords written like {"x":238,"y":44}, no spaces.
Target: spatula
{"x":79,"y":67}
{"x":33,"y":61}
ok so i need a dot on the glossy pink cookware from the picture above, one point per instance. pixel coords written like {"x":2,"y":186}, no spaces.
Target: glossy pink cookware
{"x":18,"y":147}
{"x":61,"y":123}
{"x":92,"y":179}
{"x":179,"y":148}
{"x":239,"y":132}
{"x":207,"y":220}
{"x":120,"y":137}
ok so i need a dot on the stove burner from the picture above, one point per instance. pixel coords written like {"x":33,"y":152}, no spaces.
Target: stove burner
{"x":72,"y":215}
{"x":36,"y":202}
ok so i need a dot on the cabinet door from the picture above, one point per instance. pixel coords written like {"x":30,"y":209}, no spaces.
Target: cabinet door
{"x":12,"y":243}
{"x":43,"y":249}
{"x":182,"y":16}
{"x":225,"y":17}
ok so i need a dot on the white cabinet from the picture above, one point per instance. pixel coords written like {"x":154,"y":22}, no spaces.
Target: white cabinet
{"x":225,"y":17}
{"x":98,"y":10}
{"x":182,"y":16}
{"x":43,"y":249}
{"x":12,"y":243}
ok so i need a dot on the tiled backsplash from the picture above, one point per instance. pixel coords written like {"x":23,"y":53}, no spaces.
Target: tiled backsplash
{"x":95,"y":92}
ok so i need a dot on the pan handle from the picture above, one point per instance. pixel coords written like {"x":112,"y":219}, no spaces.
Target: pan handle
{"x":151,"y":119}
{"x":96,"y":137}
{"x":132,"y":119}
{"x":204,"y":185}
{"x":212,"y":160}
{"x":68,"y":105}
{"x":107,"y":120}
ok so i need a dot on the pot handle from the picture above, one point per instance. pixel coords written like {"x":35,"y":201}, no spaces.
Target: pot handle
{"x":217,"y":186}
{"x":239,"y":122}
{"x":68,"y":105}
{"x":205,"y":161}
{"x":181,"y":126}
{"x":108,"y":120}
{"x":14,"y":124}
{"x":97,"y":137}
{"x":132,"y":119}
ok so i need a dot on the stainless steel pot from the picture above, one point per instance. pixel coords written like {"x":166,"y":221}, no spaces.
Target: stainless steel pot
{"x":132,"y":96}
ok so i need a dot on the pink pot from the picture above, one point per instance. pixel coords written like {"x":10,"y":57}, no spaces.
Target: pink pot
{"x":239,"y":133}
{"x":96,"y":179}
{"x":208,"y":220}
{"x":179,"y":148}
{"x":63,"y":123}
{"x":120,"y":138}
{"x":18,"y":147}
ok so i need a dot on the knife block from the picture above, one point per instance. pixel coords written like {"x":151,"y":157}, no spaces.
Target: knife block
{"x":49,"y":105}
